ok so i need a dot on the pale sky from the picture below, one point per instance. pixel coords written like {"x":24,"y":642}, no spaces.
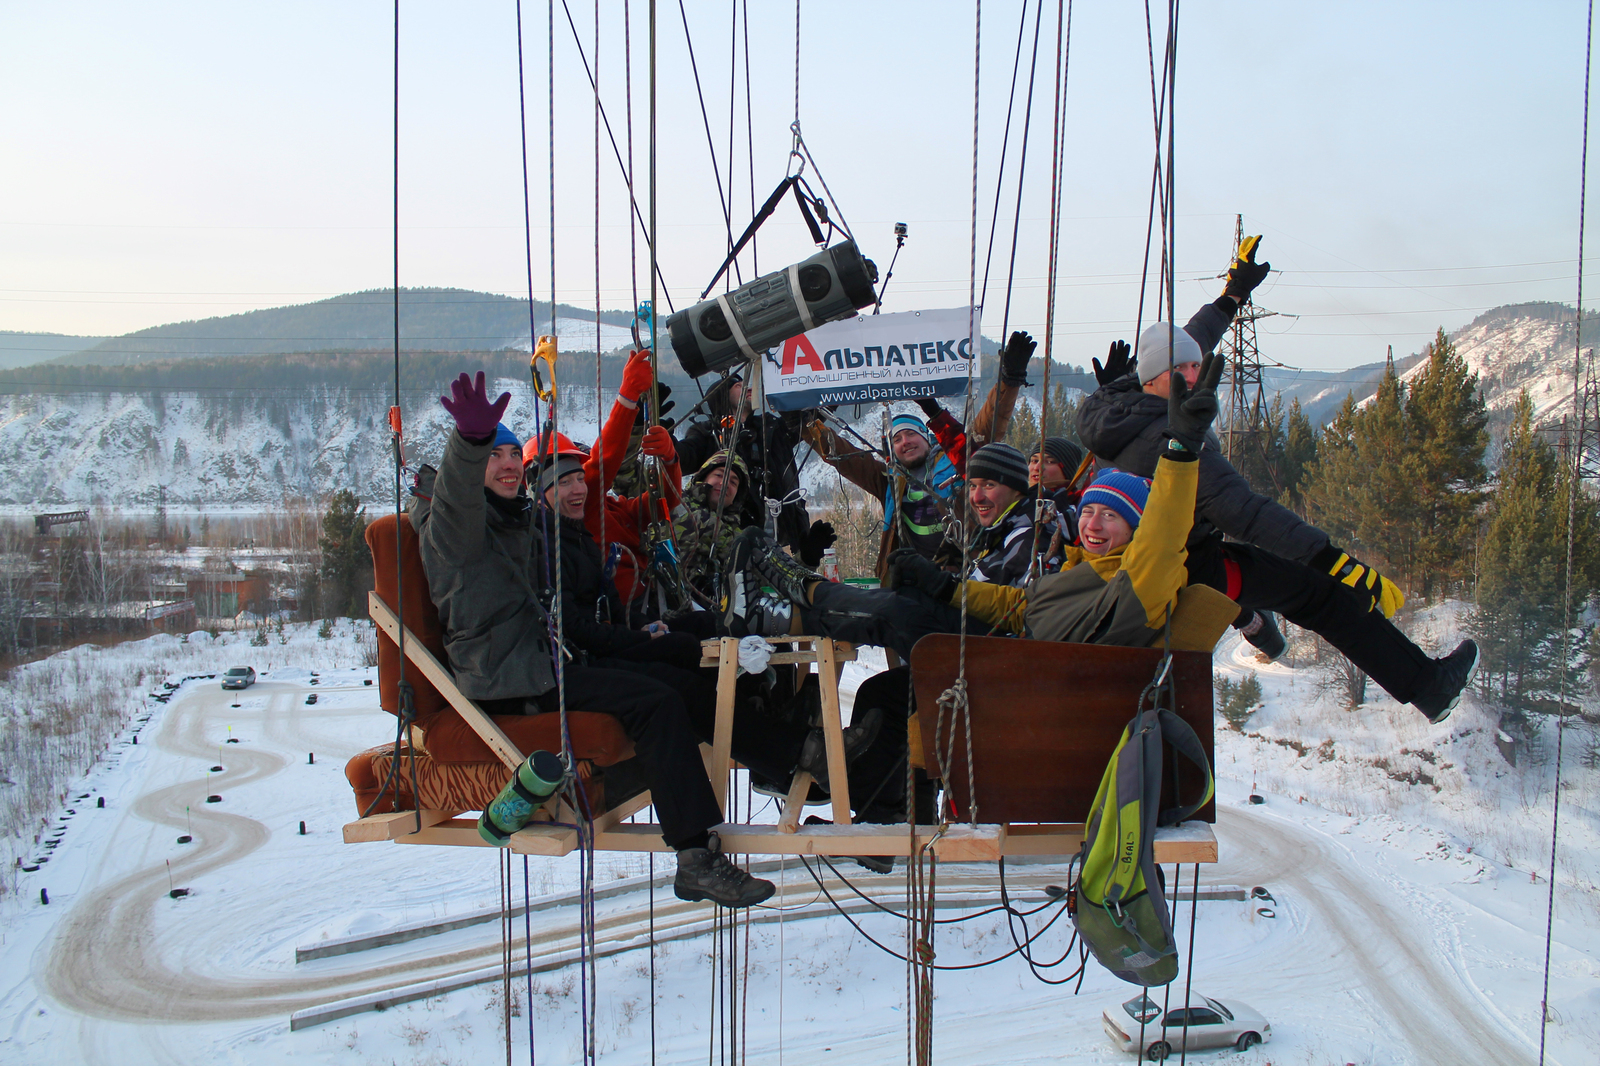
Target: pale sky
{"x":1410,"y":164}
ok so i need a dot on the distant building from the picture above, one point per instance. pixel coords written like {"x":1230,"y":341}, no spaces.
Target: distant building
{"x":225,"y":595}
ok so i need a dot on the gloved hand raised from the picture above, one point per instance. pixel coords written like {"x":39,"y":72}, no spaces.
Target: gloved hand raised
{"x":930,"y":407}
{"x":658,"y":442}
{"x":1245,"y":273}
{"x":1014,"y":359}
{"x":907,"y":569}
{"x":1117,"y":363}
{"x":1190,"y":412}
{"x":468,"y":403}
{"x":1375,"y":590}
{"x":662,"y":392}
{"x":636,"y":376}
{"x":818,"y":539}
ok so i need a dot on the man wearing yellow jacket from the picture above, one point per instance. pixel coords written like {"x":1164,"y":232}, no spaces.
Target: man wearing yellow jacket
{"x":1119,"y":585}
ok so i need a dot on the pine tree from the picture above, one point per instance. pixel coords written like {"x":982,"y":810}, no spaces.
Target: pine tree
{"x":1448,"y":435}
{"x":346,"y":569}
{"x":1299,"y":449}
{"x":1361,"y":487}
{"x":1522,"y":567}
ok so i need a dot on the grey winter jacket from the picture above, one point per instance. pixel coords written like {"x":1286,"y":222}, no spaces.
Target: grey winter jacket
{"x":1123,"y":426}
{"x":479,"y":562}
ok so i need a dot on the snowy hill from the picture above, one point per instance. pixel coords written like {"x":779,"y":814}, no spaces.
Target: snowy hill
{"x":1524,"y":346}
{"x":1405,"y":865}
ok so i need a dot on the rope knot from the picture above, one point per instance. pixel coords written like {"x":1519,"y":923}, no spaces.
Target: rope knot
{"x":925,"y":952}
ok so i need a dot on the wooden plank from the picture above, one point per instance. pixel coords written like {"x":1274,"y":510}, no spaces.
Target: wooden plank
{"x":391,"y":826}
{"x":1046,"y":717}
{"x":1192,"y":842}
{"x":435,"y":672}
{"x":722,"y":736}
{"x":833,"y":732}
{"x":794,"y":805}
{"x":606,"y":819}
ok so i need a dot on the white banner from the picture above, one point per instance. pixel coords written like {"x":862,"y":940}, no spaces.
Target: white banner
{"x":910,"y":355}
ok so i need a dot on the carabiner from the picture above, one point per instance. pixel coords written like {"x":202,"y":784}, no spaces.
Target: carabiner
{"x":545,"y":350}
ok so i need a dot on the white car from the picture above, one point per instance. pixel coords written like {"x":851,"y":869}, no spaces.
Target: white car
{"x":1211,"y":1024}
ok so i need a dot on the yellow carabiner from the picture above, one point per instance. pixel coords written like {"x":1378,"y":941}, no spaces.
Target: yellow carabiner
{"x":545,"y":350}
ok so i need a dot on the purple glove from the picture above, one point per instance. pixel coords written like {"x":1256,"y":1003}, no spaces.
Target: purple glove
{"x":476,"y":418}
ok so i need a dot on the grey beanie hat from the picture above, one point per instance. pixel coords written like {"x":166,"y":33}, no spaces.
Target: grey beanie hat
{"x":1065,"y":452}
{"x":1153,"y":360}
{"x":999,"y":462}
{"x":565,"y":463}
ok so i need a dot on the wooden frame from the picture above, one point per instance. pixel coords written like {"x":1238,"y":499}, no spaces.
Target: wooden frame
{"x":1193,"y":842}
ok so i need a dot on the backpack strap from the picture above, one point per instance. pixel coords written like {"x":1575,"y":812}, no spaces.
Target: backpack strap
{"x":1181,"y":735}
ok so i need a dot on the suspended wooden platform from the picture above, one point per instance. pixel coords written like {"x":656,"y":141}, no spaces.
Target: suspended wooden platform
{"x":1045,"y":718}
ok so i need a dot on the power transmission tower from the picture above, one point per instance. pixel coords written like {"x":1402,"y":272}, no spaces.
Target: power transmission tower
{"x":1588,"y":422}
{"x":1246,"y":406}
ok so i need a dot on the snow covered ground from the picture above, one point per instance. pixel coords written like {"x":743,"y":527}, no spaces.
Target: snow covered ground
{"x":1408,"y":928}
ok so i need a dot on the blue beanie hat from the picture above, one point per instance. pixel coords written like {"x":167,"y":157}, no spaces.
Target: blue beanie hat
{"x":1124,"y":493}
{"x":900,"y":422}
{"x":503,"y":435}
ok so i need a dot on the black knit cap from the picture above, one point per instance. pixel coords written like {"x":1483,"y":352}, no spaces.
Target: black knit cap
{"x":1063,"y":451}
{"x":999,"y":462}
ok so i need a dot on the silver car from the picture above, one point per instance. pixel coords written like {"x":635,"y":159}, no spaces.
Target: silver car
{"x":1211,"y":1023}
{"x":239,"y":677}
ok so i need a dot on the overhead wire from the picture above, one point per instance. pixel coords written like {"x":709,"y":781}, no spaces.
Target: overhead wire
{"x":1574,"y":488}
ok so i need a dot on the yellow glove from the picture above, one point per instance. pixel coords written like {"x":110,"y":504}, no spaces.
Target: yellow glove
{"x":1390,"y":599}
{"x":1381,"y":593}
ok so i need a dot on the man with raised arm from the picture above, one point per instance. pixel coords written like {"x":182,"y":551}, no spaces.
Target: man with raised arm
{"x":1276,"y":561}
{"x":476,"y":542}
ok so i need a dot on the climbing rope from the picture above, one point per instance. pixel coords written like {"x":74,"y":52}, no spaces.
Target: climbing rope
{"x":1574,"y":488}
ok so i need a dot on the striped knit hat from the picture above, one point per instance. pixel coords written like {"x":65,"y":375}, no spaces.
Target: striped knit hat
{"x":1065,"y":452}
{"x":900,"y":422}
{"x":999,"y":462}
{"x":1124,"y":493}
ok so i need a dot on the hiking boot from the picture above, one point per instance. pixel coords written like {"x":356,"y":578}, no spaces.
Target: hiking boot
{"x":1452,"y":675}
{"x":748,"y":609}
{"x":754,"y":549}
{"x":858,"y":737}
{"x":706,"y":874}
{"x":1264,"y":635}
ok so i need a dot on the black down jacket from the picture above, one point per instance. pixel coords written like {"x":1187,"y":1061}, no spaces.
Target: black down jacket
{"x":1123,"y":426}
{"x":589,"y":598}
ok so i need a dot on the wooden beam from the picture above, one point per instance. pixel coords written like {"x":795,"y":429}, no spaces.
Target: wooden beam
{"x":623,"y":810}
{"x":1191,"y":842}
{"x":794,"y":805}
{"x":435,"y":672}
{"x":828,"y":669}
{"x":722,"y":738}
{"x":391,"y":826}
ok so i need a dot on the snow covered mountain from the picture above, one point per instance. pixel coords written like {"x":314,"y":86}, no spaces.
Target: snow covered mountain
{"x":259,"y":434}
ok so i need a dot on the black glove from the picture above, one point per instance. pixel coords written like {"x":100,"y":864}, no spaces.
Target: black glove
{"x":907,"y":569}
{"x":1014,"y":360}
{"x":930,"y":408}
{"x":1117,"y":363}
{"x":662,"y":392}
{"x":1191,"y":411}
{"x":1245,"y":273}
{"x":816,"y":541}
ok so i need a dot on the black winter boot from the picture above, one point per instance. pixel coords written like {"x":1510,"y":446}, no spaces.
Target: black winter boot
{"x":1264,"y":635}
{"x":858,"y":737}
{"x":748,"y":609}
{"x":1452,"y":675}
{"x":754,"y":549}
{"x":706,"y":874}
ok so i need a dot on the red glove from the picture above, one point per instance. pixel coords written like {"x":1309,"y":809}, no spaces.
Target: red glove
{"x":658,"y":442}
{"x":636,"y":376}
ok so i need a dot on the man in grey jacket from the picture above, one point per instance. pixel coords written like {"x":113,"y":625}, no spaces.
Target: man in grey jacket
{"x":477,"y":547}
{"x":1277,"y":561}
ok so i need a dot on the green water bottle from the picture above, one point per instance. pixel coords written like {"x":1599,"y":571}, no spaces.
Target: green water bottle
{"x":535,"y":781}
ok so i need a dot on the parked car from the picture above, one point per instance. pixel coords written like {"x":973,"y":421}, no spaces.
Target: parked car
{"x":239,"y":677}
{"x":1212,"y":1024}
